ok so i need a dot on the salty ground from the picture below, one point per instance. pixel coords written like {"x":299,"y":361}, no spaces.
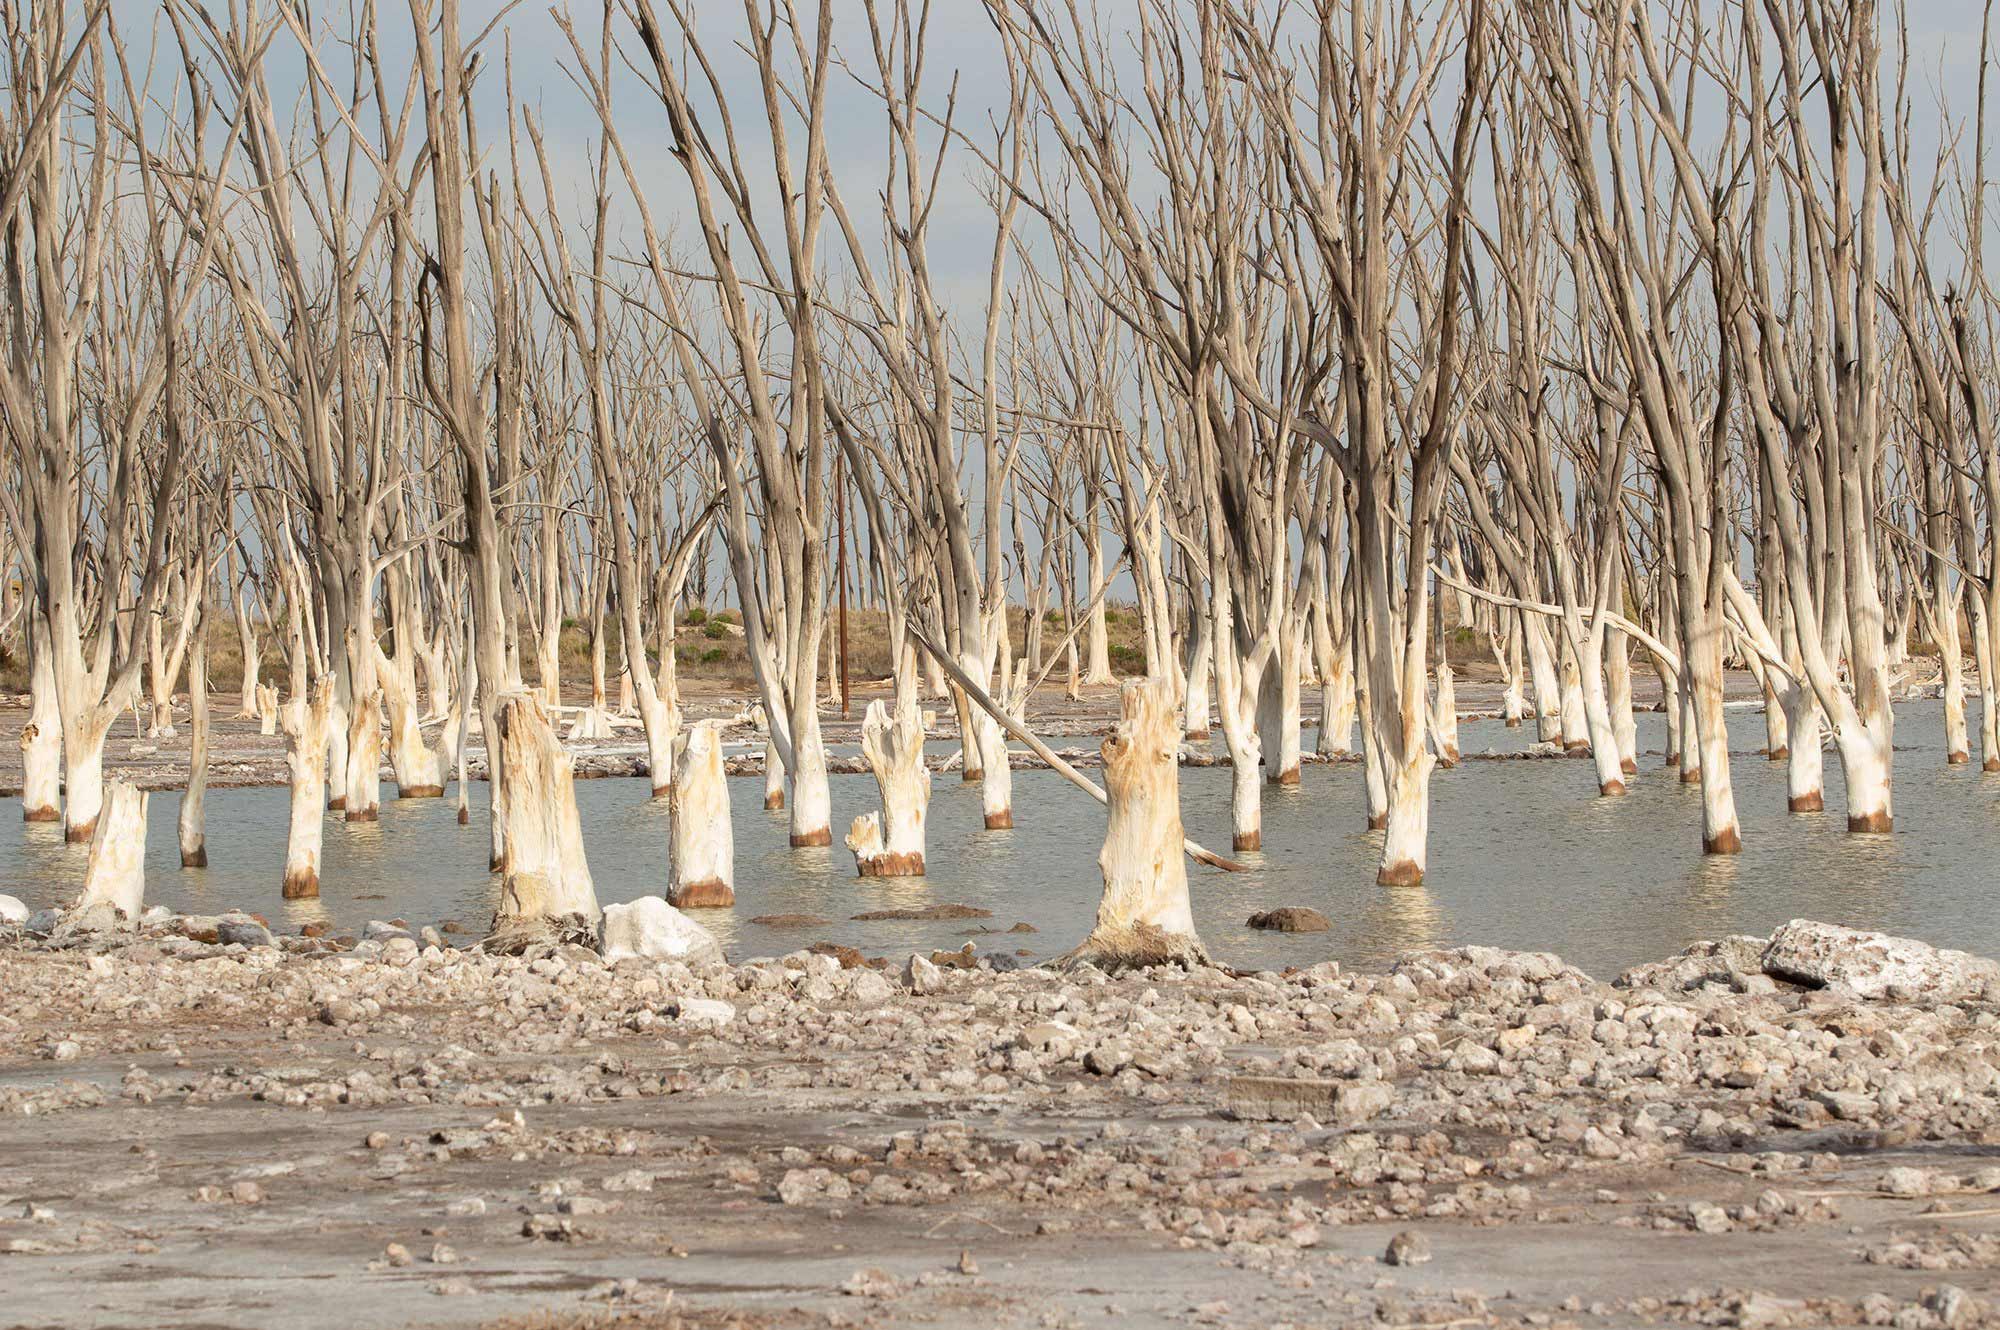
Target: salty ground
{"x":204,"y":1125}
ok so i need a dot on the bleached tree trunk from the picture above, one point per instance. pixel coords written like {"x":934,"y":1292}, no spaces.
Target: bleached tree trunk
{"x":1097,"y":639}
{"x":417,"y":768}
{"x":267,"y":709}
{"x":1278,"y":710}
{"x":363,"y":801}
{"x":115,"y":883}
{"x":1513,"y":701}
{"x":1618,"y":676}
{"x":247,"y":645}
{"x":1575,"y":724}
{"x":1444,"y":716}
{"x":547,"y":885}
{"x":306,"y":719}
{"x":701,"y":849}
{"x":41,"y":737}
{"x":1548,"y":690}
{"x":1144,"y":917}
{"x":1196,"y":715}
{"x":193,"y":833}
{"x":891,"y":843}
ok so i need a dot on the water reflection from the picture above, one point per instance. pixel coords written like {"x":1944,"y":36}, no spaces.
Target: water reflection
{"x":1523,"y":855}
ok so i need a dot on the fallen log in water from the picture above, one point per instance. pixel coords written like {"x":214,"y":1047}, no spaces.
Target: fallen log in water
{"x":1042,"y":750}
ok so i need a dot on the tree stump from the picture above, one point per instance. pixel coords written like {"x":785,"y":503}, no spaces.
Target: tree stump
{"x":701,"y":848}
{"x":1143,"y":917}
{"x":891,"y":843}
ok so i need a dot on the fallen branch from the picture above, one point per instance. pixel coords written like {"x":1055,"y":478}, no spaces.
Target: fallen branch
{"x":1042,"y":750}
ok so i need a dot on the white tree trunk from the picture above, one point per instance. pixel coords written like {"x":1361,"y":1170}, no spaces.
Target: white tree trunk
{"x":592,"y":723}
{"x":1336,"y":707}
{"x":1951,"y":661}
{"x":116,"y":879}
{"x":891,"y":843}
{"x":1278,"y":711}
{"x":364,"y":759}
{"x":1805,"y":778}
{"x":1406,"y":847}
{"x":306,"y":721}
{"x":1542,"y":674}
{"x":41,"y":737}
{"x":191,"y":823}
{"x":419,"y":771}
{"x":1618,"y":675}
{"x":996,"y":780}
{"x":661,"y":725}
{"x":548,"y":880}
{"x":1238,"y":709}
{"x":247,"y":685}
{"x":1196,"y":716}
{"x":267,"y":708}
{"x":337,"y":719}
{"x":1576,"y":733}
{"x":774,"y":777}
{"x":1444,"y":716}
{"x":1865,"y":757}
{"x":1513,"y":701}
{"x":812,"y":804}
{"x":1144,"y":917}
{"x":701,"y":849}
{"x":83,"y":782}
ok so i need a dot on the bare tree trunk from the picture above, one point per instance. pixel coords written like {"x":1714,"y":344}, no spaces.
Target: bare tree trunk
{"x":1144,"y":916}
{"x":701,"y":857}
{"x":193,"y":836}
{"x":306,"y":719}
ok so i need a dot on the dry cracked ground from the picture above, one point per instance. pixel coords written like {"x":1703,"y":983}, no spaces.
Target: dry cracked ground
{"x":303,"y":1134}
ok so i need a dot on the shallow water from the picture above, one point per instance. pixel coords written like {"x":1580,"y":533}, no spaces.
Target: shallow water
{"x":1522,"y":856}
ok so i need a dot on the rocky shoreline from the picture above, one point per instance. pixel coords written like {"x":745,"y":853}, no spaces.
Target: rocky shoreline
{"x":1786,"y":1131}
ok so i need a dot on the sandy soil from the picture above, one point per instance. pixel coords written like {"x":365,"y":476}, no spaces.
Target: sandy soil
{"x":197,"y":1134}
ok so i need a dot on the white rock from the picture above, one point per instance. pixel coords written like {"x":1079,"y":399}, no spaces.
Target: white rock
{"x":1872,"y":964}
{"x":706,"y":1011}
{"x":920,"y":976}
{"x":652,"y":928}
{"x":12,"y":911}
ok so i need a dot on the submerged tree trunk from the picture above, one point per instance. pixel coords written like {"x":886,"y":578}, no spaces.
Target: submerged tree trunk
{"x":114,"y":886}
{"x":547,"y":888}
{"x":41,"y":737}
{"x":1144,"y":917}
{"x":891,"y":843}
{"x":306,"y":720}
{"x":701,"y":848}
{"x":193,"y":834}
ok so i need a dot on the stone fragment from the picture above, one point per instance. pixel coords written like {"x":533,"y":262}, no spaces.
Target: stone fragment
{"x":651,"y":928}
{"x":1290,"y":919}
{"x":1408,"y":1247}
{"x":1284,"y":1099}
{"x":1874,"y":965}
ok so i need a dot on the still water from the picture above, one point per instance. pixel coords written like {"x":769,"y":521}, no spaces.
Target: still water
{"x":1523,"y":855}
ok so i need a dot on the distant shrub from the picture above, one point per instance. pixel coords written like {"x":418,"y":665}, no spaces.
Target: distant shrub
{"x":710,"y":656}
{"x":697,"y":616}
{"x":1111,"y":616}
{"x":715,"y":630}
